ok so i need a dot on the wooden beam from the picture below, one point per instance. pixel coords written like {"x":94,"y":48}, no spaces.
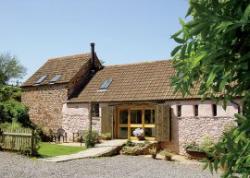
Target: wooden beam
{"x":90,"y":118}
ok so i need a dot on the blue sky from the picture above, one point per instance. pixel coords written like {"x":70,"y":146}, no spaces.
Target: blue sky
{"x":125,"y":31}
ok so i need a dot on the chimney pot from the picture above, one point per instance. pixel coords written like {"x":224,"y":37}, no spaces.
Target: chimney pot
{"x":92,"y":45}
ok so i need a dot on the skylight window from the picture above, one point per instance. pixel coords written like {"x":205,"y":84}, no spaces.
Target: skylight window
{"x":41,"y":79}
{"x":106,"y":84}
{"x":55,"y":78}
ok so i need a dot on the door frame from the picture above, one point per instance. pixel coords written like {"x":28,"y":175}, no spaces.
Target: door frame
{"x":129,"y":125}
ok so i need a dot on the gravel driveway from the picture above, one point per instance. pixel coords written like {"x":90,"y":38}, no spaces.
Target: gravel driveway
{"x":16,"y":166}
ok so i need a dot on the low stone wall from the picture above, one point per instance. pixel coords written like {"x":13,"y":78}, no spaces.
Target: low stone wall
{"x":189,"y":128}
{"x":196,"y":129}
{"x":75,"y":117}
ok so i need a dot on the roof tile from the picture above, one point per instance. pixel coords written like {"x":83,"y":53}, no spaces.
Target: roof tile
{"x":67,"y":67}
{"x":133,"y":82}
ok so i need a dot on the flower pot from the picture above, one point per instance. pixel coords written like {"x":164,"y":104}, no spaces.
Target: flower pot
{"x":153,"y":156}
{"x":196,"y":154}
{"x":168,"y":158}
{"x":141,"y":137}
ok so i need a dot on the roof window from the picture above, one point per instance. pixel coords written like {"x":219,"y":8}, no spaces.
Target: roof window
{"x":41,"y":79}
{"x":55,"y":78}
{"x":105,"y":84}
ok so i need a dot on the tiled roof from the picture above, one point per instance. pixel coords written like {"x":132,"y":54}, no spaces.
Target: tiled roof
{"x":132,"y":82}
{"x":67,"y":67}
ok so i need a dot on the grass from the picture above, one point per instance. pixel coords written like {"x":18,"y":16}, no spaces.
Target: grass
{"x":50,"y":150}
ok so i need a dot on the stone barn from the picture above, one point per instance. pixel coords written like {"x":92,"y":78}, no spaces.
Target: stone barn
{"x":122,"y":98}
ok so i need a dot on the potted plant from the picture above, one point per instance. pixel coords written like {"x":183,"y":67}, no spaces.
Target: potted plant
{"x":153,"y":152}
{"x":168,"y":156}
{"x":194,"y":151}
{"x":139,"y":133}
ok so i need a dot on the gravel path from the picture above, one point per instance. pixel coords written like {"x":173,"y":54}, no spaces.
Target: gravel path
{"x":15,"y":166}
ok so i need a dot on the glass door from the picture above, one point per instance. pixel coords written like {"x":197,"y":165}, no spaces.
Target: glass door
{"x":132,"y":118}
{"x":136,"y":121}
{"x":149,"y":124}
{"x":123,"y":124}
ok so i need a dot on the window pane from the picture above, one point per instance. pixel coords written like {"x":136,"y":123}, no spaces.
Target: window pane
{"x":41,"y":79}
{"x":55,"y":78}
{"x":123,"y":132}
{"x":106,"y":84}
{"x":95,"y":110}
{"x":214,"y":108}
{"x":149,"y":116}
{"x":136,"y":116}
{"x":179,"y":110}
{"x":124,"y":117}
{"x":149,"y":132}
{"x":195,"y":110}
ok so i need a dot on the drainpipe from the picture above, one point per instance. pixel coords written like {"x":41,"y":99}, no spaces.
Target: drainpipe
{"x":112,"y":120}
{"x":112,"y":133}
{"x":90,"y":119}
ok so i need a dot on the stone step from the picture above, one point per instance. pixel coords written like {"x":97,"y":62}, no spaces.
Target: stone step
{"x":107,"y":148}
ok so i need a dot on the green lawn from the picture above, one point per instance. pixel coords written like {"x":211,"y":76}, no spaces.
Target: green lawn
{"x":50,"y":150}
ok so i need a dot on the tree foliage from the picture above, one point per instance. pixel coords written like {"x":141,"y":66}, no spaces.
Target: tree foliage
{"x":10,"y":68}
{"x":214,"y":52}
{"x":11,"y":108}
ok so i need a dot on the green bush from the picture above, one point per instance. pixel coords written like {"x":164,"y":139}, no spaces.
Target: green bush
{"x":10,"y":106}
{"x":167,"y":155}
{"x":91,"y":139}
{"x":231,"y":153}
{"x":106,"y":136}
{"x":193,"y":146}
{"x":207,"y":144}
{"x":130,"y":143}
{"x":14,"y":125}
{"x":153,"y":151}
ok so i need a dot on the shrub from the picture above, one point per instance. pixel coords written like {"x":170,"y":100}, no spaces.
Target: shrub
{"x":14,"y":125}
{"x":12,"y":109}
{"x":91,"y":139}
{"x":168,"y":155}
{"x":207,"y":144}
{"x":130,"y":143}
{"x":153,"y":152}
{"x":195,"y":151}
{"x":106,"y":136}
{"x":193,"y":146}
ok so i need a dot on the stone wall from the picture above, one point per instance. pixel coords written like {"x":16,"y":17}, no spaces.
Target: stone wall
{"x":45,"y":104}
{"x":189,"y":128}
{"x":75,"y":117}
